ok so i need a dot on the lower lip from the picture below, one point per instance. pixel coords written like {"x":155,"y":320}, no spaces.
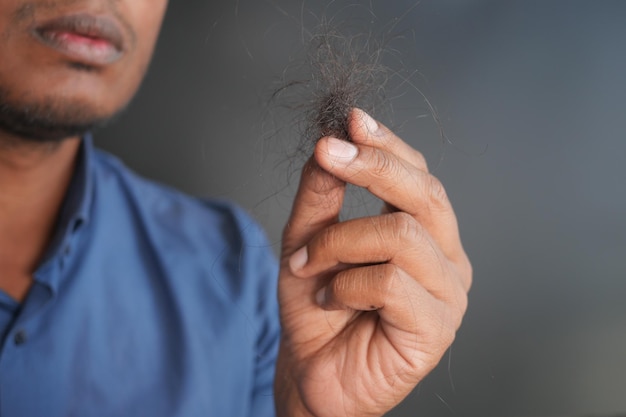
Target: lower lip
{"x":81,"y":49}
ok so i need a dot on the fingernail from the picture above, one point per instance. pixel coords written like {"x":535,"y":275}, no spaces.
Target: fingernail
{"x":298,"y":259}
{"x":370,"y":124}
{"x":341,"y":151}
{"x":320,"y":296}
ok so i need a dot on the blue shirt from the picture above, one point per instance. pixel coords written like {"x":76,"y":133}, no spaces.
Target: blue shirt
{"x":147,"y":303}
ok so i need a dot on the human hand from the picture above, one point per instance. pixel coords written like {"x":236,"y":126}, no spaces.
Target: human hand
{"x":369,"y":305}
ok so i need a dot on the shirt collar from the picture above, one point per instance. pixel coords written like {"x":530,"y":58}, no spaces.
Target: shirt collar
{"x":77,"y":205}
{"x":76,"y":209}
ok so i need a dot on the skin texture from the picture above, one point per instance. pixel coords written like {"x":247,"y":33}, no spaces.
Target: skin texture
{"x":369,"y":306}
{"x":39,"y":79}
{"x":55,"y":91}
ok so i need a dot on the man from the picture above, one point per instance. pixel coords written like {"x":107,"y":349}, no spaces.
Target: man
{"x":121,"y":297}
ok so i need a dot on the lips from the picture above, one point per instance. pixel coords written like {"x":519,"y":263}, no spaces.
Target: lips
{"x":83,"y":38}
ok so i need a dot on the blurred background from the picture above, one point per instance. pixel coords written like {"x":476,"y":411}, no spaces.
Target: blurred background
{"x":531,"y":95}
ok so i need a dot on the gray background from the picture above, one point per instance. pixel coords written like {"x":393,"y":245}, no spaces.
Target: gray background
{"x":531,"y":96}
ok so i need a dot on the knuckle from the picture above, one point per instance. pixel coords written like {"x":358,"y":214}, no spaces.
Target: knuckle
{"x":421,"y":161}
{"x":436,"y":192}
{"x":328,"y":239}
{"x":456,"y":303}
{"x":455,"y":298}
{"x":467,"y":273}
{"x":405,"y":227}
{"x":463,"y":269}
{"x":383,"y":166}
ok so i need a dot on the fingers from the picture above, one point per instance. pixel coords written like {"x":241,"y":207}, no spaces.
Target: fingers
{"x":400,"y":301}
{"x":316,"y":206}
{"x":390,"y":169}
{"x":420,"y":237}
{"x":386,"y":175}
{"x":397,"y":239}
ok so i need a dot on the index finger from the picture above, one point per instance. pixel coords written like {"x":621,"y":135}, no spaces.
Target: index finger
{"x":364,"y":130}
{"x":317,"y":205}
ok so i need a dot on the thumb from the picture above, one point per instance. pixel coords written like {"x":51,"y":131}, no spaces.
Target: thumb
{"x":316,"y":206}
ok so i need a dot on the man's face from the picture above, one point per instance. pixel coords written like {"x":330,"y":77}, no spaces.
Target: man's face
{"x":67,"y":65}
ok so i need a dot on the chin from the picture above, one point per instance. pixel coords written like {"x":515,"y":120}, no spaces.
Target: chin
{"x":50,"y":119}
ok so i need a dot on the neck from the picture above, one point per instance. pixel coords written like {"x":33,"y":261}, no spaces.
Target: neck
{"x":34,"y":178}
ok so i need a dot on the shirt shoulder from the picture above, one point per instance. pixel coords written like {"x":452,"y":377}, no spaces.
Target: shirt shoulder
{"x":173,"y":209}
{"x":211,"y":233}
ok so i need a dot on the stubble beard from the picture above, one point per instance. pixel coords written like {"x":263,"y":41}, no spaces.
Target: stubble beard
{"x":46,"y":120}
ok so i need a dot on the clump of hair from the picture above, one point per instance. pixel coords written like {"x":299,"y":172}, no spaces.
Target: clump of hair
{"x":347,"y":73}
{"x":340,"y":72}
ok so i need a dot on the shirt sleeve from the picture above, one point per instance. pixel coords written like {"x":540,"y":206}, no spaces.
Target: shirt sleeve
{"x":261,"y":267}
